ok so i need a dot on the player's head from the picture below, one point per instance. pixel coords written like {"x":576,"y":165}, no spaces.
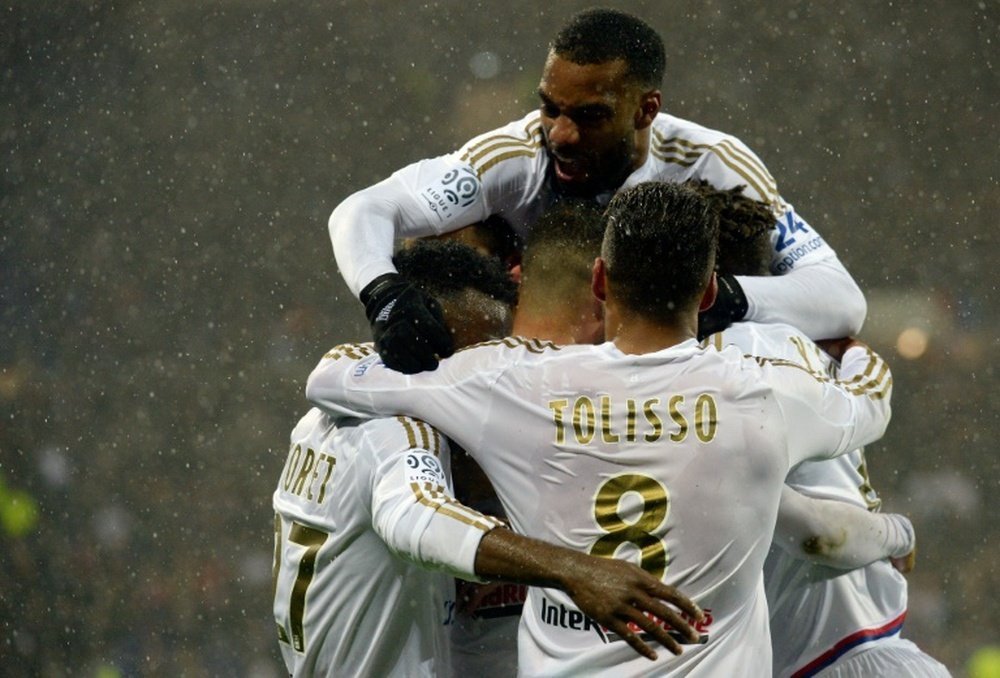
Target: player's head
{"x":493,"y":236}
{"x":475,"y":291}
{"x":659,"y":251}
{"x":599,"y":94}
{"x":745,"y":227}
{"x":555,"y":275}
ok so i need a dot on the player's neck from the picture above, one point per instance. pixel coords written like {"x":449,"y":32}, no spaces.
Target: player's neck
{"x":545,"y":327}
{"x":642,"y":141}
{"x":636,"y":334}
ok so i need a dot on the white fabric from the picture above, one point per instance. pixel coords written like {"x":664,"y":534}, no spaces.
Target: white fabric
{"x":506,"y":171}
{"x":894,"y":658}
{"x":839,"y":534}
{"x":682,"y":453}
{"x":345,"y":488}
{"x":818,"y":614}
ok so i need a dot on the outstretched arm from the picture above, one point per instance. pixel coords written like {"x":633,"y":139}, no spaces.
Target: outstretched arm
{"x":614,"y":593}
{"x":792,"y":299}
{"x":838,"y":534}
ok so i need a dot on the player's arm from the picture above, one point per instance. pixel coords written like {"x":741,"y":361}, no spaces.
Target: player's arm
{"x":413,"y":506}
{"x":425,"y":198}
{"x":348,"y":383}
{"x":614,"y":593}
{"x":791,"y":298}
{"x":805,"y":267}
{"x":826,"y":417}
{"x":838,"y":534}
{"x":416,"y":514}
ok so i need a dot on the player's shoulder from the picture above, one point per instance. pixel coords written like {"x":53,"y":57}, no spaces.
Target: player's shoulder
{"x":768,"y":339}
{"x":354,"y":351}
{"x":685,"y":147}
{"x":516,"y":144}
{"x":514,"y":349}
{"x":668,"y":128}
{"x":314,"y":425}
{"x":393,"y":434}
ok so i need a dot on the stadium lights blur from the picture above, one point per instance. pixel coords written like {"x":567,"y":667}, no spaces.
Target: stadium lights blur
{"x":912,"y":343}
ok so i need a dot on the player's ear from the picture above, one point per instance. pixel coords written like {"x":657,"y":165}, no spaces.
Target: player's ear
{"x":649,"y":106}
{"x":598,"y":282}
{"x":708,"y":298}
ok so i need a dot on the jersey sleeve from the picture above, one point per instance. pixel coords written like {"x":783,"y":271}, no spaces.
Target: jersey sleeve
{"x":806,"y":269}
{"x":452,"y":397}
{"x":413,"y":506}
{"x":826,"y":417}
{"x":487,"y":175}
{"x":838,"y":534}
{"x":426,"y":198}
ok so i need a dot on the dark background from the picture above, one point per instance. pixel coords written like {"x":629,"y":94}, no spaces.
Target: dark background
{"x":167,"y":282}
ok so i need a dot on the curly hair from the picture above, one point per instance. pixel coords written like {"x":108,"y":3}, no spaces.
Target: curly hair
{"x":599,"y":35}
{"x":745,"y":227}
{"x":445,"y":269}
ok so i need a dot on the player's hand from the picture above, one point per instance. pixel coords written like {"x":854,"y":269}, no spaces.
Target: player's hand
{"x":906,"y":561}
{"x":407,"y":325}
{"x":617,"y":594}
{"x":730,"y":306}
{"x":838,"y":347}
{"x":905,"y":564}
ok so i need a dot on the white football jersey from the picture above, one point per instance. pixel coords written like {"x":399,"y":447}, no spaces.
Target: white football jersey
{"x":674,"y":460}
{"x":507,"y":172}
{"x":355,"y":498}
{"x":819,"y":614}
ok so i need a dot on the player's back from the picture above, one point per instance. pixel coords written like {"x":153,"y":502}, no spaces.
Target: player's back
{"x":818,"y":614}
{"x":344,"y":604}
{"x":673,"y":459}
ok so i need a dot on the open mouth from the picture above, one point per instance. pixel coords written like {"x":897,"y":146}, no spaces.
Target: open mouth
{"x":568,"y":171}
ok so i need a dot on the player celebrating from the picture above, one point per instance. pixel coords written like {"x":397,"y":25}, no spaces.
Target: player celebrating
{"x":843,"y":623}
{"x":648,"y":447}
{"x":354,"y":493}
{"x":599,"y":129}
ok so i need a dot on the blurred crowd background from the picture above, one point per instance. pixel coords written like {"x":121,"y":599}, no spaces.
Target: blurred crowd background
{"x":167,"y":281}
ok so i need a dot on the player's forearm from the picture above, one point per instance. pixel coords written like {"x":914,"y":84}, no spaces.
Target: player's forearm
{"x":363,"y":232}
{"x":434,"y":531}
{"x":792,"y":299}
{"x":837,"y":534}
{"x":506,"y":555}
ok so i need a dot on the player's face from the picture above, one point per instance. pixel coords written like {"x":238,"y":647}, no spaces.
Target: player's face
{"x":590,"y":118}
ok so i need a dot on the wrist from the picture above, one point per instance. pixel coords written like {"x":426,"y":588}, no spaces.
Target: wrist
{"x":378,"y":285}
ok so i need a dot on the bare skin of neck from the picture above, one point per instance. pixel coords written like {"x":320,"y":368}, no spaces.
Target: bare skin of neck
{"x":635,"y":335}
{"x":561,"y":329}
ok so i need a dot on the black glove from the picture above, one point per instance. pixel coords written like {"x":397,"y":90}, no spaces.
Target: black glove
{"x":407,"y":324}
{"x":730,"y":306}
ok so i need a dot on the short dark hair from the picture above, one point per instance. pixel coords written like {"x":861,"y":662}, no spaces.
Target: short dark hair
{"x":599,"y":35}
{"x":659,"y":248}
{"x":559,"y":253}
{"x":570,"y":227}
{"x":445,"y":269}
{"x":745,"y":228}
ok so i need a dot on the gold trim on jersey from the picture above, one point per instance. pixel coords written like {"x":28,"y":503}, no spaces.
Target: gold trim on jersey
{"x":808,"y":356}
{"x":531,"y":344}
{"x":494,"y":149}
{"x":434,"y":496}
{"x":685,"y":153}
{"x":876,"y":387}
{"x":352,"y":351}
{"x":430,"y":439}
